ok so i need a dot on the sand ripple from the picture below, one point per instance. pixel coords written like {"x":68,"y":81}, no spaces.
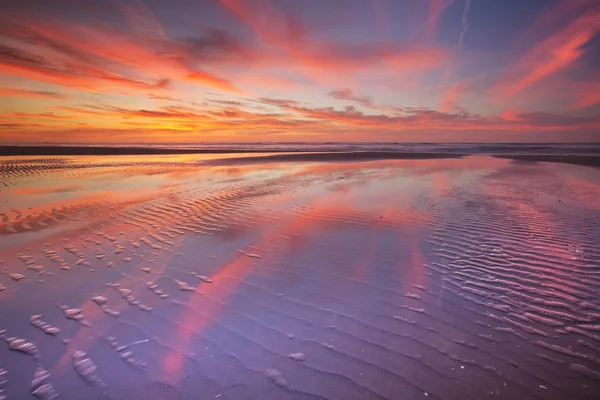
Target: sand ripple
{"x":462,"y":278}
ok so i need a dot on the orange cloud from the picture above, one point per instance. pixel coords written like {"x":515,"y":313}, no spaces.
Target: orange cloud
{"x":8,"y":92}
{"x":40,"y":115}
{"x":213,"y":81}
{"x":74,"y":55}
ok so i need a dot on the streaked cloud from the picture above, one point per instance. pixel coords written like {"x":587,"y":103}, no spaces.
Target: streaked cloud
{"x":555,"y":54}
{"x":9,"y":92}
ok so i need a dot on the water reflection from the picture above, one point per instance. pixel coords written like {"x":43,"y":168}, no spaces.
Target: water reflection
{"x":357,"y":279}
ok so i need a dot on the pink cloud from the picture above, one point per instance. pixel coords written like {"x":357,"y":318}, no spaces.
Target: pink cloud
{"x":561,"y":50}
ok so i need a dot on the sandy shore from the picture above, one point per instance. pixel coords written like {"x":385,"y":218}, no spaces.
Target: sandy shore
{"x":590,"y":161}
{"x":284,"y":155}
{"x":291,"y":276}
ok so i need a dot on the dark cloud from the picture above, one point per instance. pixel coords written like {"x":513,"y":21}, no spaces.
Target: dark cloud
{"x":227,"y":103}
{"x":278,"y":102}
{"x":215,"y":43}
{"x":21,"y":58}
{"x":65,"y":73}
{"x":54,"y":95}
{"x":347,"y":95}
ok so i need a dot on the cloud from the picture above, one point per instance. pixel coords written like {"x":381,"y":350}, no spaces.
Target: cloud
{"x":213,"y":81}
{"x":141,"y":18}
{"x":40,"y":115}
{"x":464,"y":23}
{"x":324,"y":60}
{"x":9,"y":92}
{"x":19,"y":125}
{"x":182,"y":123}
{"x":422,"y":118}
{"x":545,"y":119}
{"x":587,"y":94}
{"x":217,"y":45}
{"x":436,"y":7}
{"x":93,"y":56}
{"x":171,"y":112}
{"x":561,"y":50}
{"x":451,"y":94}
{"x":129,"y":66}
{"x":24,"y":63}
{"x":15,"y":57}
{"x":100,"y":57}
{"x":229,"y":103}
{"x":347,"y":95}
{"x":357,"y":56}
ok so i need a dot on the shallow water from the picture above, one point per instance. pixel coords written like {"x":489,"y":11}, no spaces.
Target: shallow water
{"x":179,"y":277}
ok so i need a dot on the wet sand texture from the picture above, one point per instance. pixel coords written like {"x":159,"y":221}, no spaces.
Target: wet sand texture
{"x":336,"y":276}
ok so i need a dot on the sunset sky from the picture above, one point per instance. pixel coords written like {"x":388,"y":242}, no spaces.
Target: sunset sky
{"x":145,"y":71}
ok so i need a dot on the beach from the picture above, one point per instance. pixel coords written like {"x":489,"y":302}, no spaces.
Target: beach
{"x":377,"y":274}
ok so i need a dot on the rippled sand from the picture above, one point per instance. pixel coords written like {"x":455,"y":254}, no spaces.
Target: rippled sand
{"x":241,"y":277}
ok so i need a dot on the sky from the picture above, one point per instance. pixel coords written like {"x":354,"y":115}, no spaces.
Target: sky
{"x":189,"y":71}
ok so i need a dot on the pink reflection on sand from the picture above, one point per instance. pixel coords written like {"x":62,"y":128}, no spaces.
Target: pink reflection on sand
{"x":371,"y":218}
{"x":191,"y":323}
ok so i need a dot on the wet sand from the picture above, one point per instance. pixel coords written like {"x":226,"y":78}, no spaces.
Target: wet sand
{"x":240,"y":276}
{"x":544,"y":153}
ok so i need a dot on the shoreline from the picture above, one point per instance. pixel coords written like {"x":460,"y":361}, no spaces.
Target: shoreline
{"x":9,"y":151}
{"x":284,"y":155}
